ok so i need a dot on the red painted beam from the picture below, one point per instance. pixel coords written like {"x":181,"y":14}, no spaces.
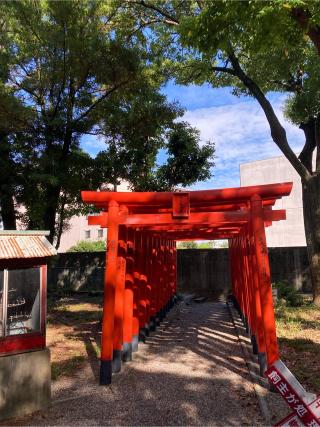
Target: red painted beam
{"x":164,"y":199}
{"x":201,"y":218}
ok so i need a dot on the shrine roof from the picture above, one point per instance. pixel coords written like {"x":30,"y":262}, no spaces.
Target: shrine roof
{"x":25,"y":244}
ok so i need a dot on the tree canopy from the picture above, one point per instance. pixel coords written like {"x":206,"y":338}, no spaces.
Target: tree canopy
{"x":254,"y":47}
{"x":67,"y":70}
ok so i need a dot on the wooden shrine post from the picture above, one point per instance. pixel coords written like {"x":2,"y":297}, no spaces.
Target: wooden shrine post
{"x":128,"y":301}
{"x":109,"y":295}
{"x":263,"y":271}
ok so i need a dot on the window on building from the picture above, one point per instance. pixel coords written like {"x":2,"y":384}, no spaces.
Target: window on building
{"x":87,"y":234}
{"x":100,"y":233}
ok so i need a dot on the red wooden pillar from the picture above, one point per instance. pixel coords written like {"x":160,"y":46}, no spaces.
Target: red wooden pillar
{"x":148,"y":268}
{"x":128,"y":300}
{"x":119,"y":299}
{"x":152,"y":282}
{"x":239,"y":275}
{"x":247,"y":281}
{"x":175,"y":264}
{"x":259,"y":334}
{"x":232,"y":270}
{"x":142,"y":288}
{"x":171,"y":272}
{"x":136,"y":291}
{"x":158,"y":280}
{"x":263,"y":270}
{"x":166,"y":275}
{"x":253,"y":324}
{"x":234,"y":275}
{"x":244,"y":289}
{"x":109,"y":295}
{"x":161,"y":279}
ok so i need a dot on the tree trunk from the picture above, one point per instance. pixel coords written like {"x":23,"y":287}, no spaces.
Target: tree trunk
{"x":311,"y":210}
{"x":52,"y":202}
{"x":8,"y":213}
{"x":61,"y":220}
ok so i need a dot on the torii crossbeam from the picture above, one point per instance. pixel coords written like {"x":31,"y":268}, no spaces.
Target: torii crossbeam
{"x":140,"y":279}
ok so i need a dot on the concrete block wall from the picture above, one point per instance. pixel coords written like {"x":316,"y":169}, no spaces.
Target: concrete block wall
{"x":204,"y":272}
{"x":25,"y":383}
{"x":201,"y":270}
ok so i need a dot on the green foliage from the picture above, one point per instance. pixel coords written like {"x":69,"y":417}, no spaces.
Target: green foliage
{"x":89,"y":246}
{"x":187,"y":244}
{"x":210,"y":244}
{"x":287,"y":292}
{"x":206,"y":245}
{"x":71,"y":69}
{"x":187,"y":160}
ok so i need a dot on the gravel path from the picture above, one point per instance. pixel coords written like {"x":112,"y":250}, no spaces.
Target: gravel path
{"x":190,"y":372}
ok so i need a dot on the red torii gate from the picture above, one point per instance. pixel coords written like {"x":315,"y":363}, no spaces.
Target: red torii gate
{"x":140,"y":279}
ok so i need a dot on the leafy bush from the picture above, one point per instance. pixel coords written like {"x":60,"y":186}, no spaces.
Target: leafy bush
{"x":287,"y":292}
{"x":89,"y":246}
{"x":187,"y":244}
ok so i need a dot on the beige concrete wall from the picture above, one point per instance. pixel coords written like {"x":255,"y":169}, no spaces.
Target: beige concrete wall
{"x":278,"y":169}
{"x":25,"y":383}
{"x":78,"y":228}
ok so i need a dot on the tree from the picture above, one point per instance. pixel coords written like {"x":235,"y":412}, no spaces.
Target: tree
{"x":234,"y":43}
{"x":89,"y":246}
{"x":64,"y":61}
{"x":135,"y":132}
{"x":70,"y":69}
{"x":187,"y":160}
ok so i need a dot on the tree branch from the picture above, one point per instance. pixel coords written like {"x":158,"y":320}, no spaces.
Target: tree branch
{"x":302,"y":17}
{"x":171,"y":20}
{"x":99,"y":100}
{"x":278,"y":133}
{"x":310,"y":143}
{"x":224,"y":70}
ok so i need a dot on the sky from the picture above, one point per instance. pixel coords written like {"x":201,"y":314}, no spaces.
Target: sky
{"x":237,"y":126}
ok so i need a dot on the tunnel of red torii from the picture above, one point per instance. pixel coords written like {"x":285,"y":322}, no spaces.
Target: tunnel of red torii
{"x":141,"y":264}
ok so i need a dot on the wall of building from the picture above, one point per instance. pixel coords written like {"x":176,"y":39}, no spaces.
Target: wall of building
{"x":80,"y":230}
{"x":278,"y":169}
{"x":201,"y":271}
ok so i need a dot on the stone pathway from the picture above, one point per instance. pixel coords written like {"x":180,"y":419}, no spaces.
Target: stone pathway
{"x":190,"y":372}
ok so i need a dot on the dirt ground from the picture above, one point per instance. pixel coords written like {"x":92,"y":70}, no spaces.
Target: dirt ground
{"x":191,"y":371}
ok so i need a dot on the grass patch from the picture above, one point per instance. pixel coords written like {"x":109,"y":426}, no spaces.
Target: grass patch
{"x":73,"y":333}
{"x":298,"y":330}
{"x":66,"y":367}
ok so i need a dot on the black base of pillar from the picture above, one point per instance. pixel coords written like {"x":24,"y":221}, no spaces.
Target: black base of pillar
{"x":158,"y":321}
{"x":105,"y":372}
{"x":142,"y":335}
{"x":254,"y":344}
{"x":152,"y":324}
{"x":262,"y":363}
{"x":245,"y":322}
{"x":147,"y":329}
{"x":135,"y":343}
{"x":127,"y":352}
{"x":116,"y":361}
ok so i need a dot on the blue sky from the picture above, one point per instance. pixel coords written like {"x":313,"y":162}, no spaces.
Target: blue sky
{"x":236,"y":125}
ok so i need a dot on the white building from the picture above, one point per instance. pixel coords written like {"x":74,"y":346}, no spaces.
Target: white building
{"x":80,"y":230}
{"x":269,"y":171}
